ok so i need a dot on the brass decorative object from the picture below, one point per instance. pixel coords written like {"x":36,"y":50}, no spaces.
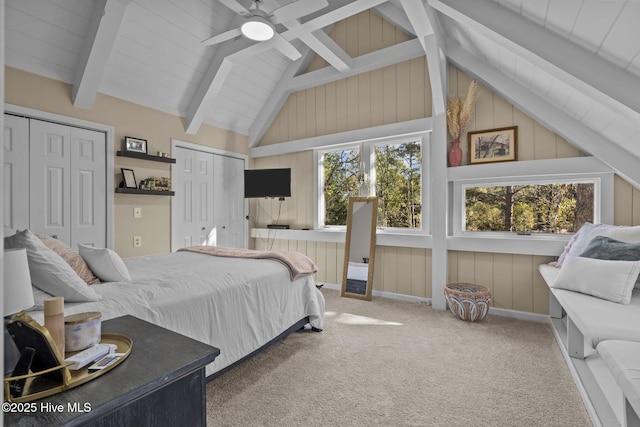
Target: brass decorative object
{"x":49,"y":374}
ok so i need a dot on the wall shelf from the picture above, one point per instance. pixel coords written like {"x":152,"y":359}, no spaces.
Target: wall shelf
{"x":144,"y":156}
{"x":147,"y":192}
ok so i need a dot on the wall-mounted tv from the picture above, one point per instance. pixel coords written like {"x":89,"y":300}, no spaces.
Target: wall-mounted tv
{"x":267,"y":182}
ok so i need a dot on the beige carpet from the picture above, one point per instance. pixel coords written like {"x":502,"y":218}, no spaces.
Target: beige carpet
{"x":393,"y":363}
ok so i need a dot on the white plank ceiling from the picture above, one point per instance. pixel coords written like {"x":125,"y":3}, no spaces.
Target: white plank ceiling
{"x":574,"y":65}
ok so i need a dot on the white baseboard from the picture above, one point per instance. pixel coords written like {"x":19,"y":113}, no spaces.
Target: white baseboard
{"x":503,"y":312}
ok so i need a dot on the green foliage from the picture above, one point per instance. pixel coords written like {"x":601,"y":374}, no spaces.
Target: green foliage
{"x":341,"y":180}
{"x":398,"y":184}
{"x":549,"y":208}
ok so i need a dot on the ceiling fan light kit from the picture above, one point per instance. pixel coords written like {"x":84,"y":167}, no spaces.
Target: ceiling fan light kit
{"x":259,"y":25}
{"x":258,"y":28}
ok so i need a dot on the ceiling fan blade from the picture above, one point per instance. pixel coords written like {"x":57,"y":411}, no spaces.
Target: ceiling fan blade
{"x":236,"y":7}
{"x":227,"y":35}
{"x":285,"y":47}
{"x":296,"y":9}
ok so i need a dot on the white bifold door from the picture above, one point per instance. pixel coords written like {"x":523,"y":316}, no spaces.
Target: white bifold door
{"x":55,"y":181}
{"x":208,"y":207}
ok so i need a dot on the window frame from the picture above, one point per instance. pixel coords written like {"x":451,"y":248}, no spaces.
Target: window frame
{"x":367,"y":159}
{"x":573,"y":170}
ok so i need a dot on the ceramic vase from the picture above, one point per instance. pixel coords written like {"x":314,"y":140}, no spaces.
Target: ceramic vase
{"x":455,"y":153}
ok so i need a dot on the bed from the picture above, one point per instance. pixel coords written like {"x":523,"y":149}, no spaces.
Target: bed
{"x":357,"y":276}
{"x":238,"y":305}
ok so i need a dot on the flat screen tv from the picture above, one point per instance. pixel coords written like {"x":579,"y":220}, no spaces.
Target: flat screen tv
{"x":267,"y":182}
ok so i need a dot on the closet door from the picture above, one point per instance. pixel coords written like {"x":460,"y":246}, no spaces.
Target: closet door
{"x":16,"y":172}
{"x":50,"y":201}
{"x":228,"y":201}
{"x":67,"y":194}
{"x":88,"y":188}
{"x":192,"y":206}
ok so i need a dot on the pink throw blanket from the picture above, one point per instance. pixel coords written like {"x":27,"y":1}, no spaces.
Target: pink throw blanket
{"x":298,"y":264}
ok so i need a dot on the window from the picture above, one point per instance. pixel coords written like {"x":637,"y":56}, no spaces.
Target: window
{"x":398,"y":184}
{"x":391,"y":170}
{"x":530,"y":208}
{"x":341,"y":178}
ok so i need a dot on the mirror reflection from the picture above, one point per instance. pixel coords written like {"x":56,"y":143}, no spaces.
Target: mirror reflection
{"x":359,"y":251}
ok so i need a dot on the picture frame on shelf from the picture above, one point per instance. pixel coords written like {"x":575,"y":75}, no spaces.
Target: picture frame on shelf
{"x":135,"y":145}
{"x":129,"y":178}
{"x":493,"y":145}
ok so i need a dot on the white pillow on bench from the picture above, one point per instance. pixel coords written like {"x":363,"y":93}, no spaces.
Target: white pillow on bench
{"x":606,"y":279}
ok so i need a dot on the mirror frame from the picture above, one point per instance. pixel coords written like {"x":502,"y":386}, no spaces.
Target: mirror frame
{"x":372,"y":247}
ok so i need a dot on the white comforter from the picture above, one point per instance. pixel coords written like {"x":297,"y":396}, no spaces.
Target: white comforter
{"x":234,"y":304}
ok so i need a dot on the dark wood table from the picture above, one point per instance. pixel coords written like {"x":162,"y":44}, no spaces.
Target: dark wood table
{"x":161,"y":383}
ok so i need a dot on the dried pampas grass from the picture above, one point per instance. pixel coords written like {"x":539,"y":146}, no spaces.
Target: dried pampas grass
{"x":459,"y":112}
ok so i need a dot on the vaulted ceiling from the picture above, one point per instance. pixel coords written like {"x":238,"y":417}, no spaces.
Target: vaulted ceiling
{"x":573,"y":65}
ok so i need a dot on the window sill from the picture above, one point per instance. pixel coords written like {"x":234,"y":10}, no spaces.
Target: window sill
{"x":509,"y":243}
{"x":506,"y":243}
{"x":337,"y":235}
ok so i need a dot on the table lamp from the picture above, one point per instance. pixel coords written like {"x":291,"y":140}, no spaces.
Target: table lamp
{"x":18,"y":296}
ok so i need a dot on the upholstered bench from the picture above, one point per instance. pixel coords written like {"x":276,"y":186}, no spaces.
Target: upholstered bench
{"x":590,"y":320}
{"x":623,"y":360}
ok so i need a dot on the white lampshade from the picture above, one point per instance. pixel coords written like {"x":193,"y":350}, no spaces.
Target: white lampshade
{"x":18,"y":294}
{"x":258,"y":28}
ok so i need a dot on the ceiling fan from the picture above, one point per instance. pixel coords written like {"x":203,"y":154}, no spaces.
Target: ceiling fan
{"x":260,"y":25}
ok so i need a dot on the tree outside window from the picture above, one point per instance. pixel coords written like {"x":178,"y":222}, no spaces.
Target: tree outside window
{"x":395,"y":176}
{"x":398,"y":184}
{"x":341,"y":179}
{"x":540,"y":208}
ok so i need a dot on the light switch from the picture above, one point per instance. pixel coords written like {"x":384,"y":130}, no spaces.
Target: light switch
{"x":137,"y":212}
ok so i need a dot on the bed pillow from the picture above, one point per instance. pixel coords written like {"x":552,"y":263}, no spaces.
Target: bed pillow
{"x":588,"y":231}
{"x":105,"y":263}
{"x":606,"y":279}
{"x":39,"y":298}
{"x":72,"y":257}
{"x":49,"y":272}
{"x":603,"y":247}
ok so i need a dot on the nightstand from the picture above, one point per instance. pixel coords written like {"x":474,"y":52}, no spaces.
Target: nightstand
{"x":162,"y":382}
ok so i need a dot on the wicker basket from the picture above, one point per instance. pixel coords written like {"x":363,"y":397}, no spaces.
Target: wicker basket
{"x":468,"y":301}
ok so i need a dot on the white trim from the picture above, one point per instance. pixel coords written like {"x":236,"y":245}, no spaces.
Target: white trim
{"x":581,"y":169}
{"x":337,"y":235}
{"x":366,"y":149}
{"x":206,"y":149}
{"x":493,"y":311}
{"x":318,"y":171}
{"x":521,"y":315}
{"x":79,"y":123}
{"x":318,"y":200}
{"x":528,"y":168}
{"x":392,"y":130}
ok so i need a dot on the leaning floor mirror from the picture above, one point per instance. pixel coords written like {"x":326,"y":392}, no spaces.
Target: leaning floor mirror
{"x":360,"y":247}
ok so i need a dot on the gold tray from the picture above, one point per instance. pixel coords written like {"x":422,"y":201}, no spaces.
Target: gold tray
{"x":38,"y":386}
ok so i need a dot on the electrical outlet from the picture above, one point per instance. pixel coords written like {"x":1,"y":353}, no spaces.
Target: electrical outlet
{"x":137,"y":241}
{"x":137,"y":212}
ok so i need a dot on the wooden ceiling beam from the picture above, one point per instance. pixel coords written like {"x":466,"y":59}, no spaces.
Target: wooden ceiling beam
{"x":277,"y":99}
{"x":367,"y":62}
{"x":396,"y":16}
{"x":554,"y":118}
{"x":213,"y":81}
{"x":568,"y":61}
{"x":103,"y":30}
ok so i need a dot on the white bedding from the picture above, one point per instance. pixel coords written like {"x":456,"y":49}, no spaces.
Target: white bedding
{"x":358,"y":271}
{"x":234,"y":304}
